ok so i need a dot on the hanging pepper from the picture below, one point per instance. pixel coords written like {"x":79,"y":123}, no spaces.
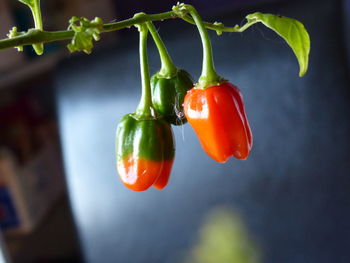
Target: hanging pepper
{"x":169,"y":85}
{"x":215,"y":108}
{"x":144,"y":143}
{"x":145,"y":152}
{"x":168,"y":95}
{"x":218,"y":117}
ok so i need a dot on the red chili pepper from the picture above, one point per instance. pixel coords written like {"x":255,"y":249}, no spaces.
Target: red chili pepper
{"x":218,"y":117}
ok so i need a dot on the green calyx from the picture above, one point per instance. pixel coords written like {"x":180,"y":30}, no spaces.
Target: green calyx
{"x":168,"y":95}
{"x":205,"y":82}
{"x":147,"y":139}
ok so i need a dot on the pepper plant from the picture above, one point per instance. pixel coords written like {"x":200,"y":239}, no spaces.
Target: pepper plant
{"x":213,"y":107}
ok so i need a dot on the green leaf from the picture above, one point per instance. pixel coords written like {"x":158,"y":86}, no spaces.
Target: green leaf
{"x":292,"y":31}
{"x":85,"y":31}
{"x":81,"y":41}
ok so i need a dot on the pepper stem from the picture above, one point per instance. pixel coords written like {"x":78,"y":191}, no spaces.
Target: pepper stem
{"x":168,"y":68}
{"x":38,"y":23}
{"x":145,"y":107}
{"x":209,"y":77}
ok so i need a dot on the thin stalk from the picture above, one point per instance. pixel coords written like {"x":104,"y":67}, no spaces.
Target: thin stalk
{"x":168,"y":68}
{"x":37,"y":15}
{"x":209,"y":77}
{"x":33,"y":36}
{"x":145,"y":107}
{"x":38,"y":23}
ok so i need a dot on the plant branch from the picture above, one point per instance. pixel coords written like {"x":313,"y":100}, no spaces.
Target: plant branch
{"x":34,"y":36}
{"x":219,"y":27}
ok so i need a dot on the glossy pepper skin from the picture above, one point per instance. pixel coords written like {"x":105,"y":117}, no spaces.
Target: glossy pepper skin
{"x":218,"y":117}
{"x":145,"y":152}
{"x":168,"y":95}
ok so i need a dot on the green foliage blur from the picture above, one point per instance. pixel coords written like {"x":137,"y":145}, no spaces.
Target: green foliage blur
{"x":223,"y":238}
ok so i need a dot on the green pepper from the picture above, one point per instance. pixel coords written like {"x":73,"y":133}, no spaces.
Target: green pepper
{"x":145,"y":152}
{"x":169,"y":85}
{"x":168,"y":95}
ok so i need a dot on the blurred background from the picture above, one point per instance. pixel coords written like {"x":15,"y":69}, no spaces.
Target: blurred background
{"x":62,"y":201}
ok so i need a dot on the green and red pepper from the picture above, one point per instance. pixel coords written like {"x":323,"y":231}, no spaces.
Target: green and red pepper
{"x":144,"y":143}
{"x":145,"y":152}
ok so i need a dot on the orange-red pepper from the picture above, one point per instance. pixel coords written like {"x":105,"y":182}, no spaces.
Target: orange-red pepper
{"x":218,"y":117}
